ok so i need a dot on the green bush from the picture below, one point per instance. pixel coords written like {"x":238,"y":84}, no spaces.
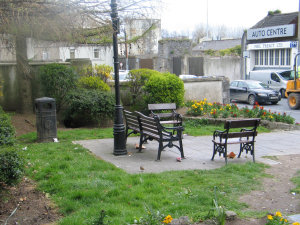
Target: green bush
{"x":88,"y":106}
{"x":102,"y":71}
{"x":11,"y":166}
{"x":137,"y":79}
{"x":7,"y":131}
{"x":96,"y":83}
{"x":164,"y":88}
{"x":57,"y":81}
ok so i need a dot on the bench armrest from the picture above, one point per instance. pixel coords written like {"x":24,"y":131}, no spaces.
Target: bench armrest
{"x":219,"y":133}
{"x":177,"y":116}
{"x":170,"y":130}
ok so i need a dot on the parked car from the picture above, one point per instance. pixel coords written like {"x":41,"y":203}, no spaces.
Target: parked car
{"x":252,"y":91}
{"x":123,"y":75}
{"x":187,"y":76}
{"x":276,"y":80}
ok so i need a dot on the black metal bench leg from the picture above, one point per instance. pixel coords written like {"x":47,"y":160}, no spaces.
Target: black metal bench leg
{"x":253,"y":155}
{"x":160,"y":147}
{"x":181,"y":148}
{"x":141,"y":142}
{"x":225,"y":154}
{"x":241,"y":149}
{"x":214,"y":152}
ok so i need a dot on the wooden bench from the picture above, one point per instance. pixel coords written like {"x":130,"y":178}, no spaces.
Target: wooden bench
{"x":152,"y":129}
{"x":166,"y":113}
{"x":245,"y":137}
{"x":131,"y":123}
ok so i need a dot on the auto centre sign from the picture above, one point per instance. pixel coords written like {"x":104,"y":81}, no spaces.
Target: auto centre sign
{"x":271,"y":32}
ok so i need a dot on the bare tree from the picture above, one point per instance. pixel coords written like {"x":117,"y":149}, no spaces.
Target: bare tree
{"x":199,"y":33}
{"x":57,"y":20}
{"x":216,"y":32}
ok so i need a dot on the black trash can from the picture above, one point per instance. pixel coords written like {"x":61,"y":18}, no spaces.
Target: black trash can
{"x":45,"y":109}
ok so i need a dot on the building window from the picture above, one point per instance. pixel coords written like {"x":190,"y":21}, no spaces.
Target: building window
{"x":45,"y":56}
{"x":288,"y":56}
{"x":96,"y":53}
{"x":256,"y":58}
{"x":266,"y":57}
{"x":277,"y":57}
{"x":261,"y":57}
{"x":282,"y":57}
{"x":72,"y":53}
{"x":271,"y":57}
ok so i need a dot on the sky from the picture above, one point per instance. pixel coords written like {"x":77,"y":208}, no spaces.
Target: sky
{"x":185,"y":15}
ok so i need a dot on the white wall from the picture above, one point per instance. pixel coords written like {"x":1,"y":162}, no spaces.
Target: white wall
{"x":223,"y":66}
{"x":105,"y":54}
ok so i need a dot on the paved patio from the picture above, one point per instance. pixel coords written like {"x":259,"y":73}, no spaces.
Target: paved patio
{"x":197,"y":150}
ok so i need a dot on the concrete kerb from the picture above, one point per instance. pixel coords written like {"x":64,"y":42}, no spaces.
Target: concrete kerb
{"x":268,"y":124}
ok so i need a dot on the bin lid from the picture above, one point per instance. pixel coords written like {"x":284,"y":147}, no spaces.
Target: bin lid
{"x":44,"y":99}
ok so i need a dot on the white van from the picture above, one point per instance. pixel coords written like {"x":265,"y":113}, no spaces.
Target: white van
{"x":276,"y":80}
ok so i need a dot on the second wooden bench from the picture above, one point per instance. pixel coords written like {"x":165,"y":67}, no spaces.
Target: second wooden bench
{"x":245,"y":137}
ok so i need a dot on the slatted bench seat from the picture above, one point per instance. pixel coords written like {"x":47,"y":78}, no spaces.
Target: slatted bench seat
{"x":166,"y":113}
{"x":245,"y":137}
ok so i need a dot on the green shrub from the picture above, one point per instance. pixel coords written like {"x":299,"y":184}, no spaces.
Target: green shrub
{"x":57,"y":81}
{"x":11,"y":166}
{"x":96,"y":83}
{"x":164,"y":88}
{"x":7,"y":131}
{"x":102,"y":71}
{"x":137,"y":79}
{"x":88,"y":106}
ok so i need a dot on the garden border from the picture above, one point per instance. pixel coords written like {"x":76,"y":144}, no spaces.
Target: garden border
{"x":265,"y":123}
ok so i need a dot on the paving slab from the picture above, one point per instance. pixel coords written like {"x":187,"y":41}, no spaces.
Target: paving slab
{"x":197,"y":150}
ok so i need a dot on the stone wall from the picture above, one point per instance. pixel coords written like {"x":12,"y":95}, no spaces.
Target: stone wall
{"x":9,"y":84}
{"x":214,"y":89}
{"x":167,"y":49}
{"x":228,"y":66}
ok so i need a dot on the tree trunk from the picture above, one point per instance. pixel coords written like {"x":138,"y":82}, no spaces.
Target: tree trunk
{"x":24,"y":76}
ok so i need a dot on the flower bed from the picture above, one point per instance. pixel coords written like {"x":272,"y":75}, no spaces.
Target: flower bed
{"x":216,"y":110}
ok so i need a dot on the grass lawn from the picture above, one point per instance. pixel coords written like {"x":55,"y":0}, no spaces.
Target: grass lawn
{"x":82,"y":185}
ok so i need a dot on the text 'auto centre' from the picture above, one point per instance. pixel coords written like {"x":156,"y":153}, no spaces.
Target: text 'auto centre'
{"x":271,"y":44}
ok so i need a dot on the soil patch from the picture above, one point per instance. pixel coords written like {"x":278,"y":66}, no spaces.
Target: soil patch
{"x":28,"y":205}
{"x":276,"y":194}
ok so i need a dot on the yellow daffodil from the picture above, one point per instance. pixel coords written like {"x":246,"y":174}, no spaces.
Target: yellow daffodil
{"x":278,"y":214}
{"x":270,"y":217}
{"x":296,"y":223}
{"x":168,"y":219}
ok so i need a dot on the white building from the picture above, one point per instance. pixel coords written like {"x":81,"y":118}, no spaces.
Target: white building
{"x":271,"y":44}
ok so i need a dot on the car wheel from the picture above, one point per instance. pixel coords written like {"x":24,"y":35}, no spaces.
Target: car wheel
{"x":294,"y":101}
{"x":282,"y":93}
{"x":251,"y":99}
{"x":274,"y":103}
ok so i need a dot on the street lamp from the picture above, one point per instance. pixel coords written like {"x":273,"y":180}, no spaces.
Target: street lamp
{"x":119,"y":128}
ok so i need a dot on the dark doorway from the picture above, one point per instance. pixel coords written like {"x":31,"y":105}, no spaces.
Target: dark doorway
{"x":177,"y":65}
{"x":196,"y":66}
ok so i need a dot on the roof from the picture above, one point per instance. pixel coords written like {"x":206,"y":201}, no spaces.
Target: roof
{"x":217,"y":44}
{"x":277,"y":20}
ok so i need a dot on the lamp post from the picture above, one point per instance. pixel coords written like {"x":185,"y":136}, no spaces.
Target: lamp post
{"x":119,"y":128}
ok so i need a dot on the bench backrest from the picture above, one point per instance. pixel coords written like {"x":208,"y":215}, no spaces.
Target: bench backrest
{"x":149,"y":125}
{"x":131,"y":120}
{"x":242,"y":123}
{"x":163,"y":109}
{"x":162,"y":106}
